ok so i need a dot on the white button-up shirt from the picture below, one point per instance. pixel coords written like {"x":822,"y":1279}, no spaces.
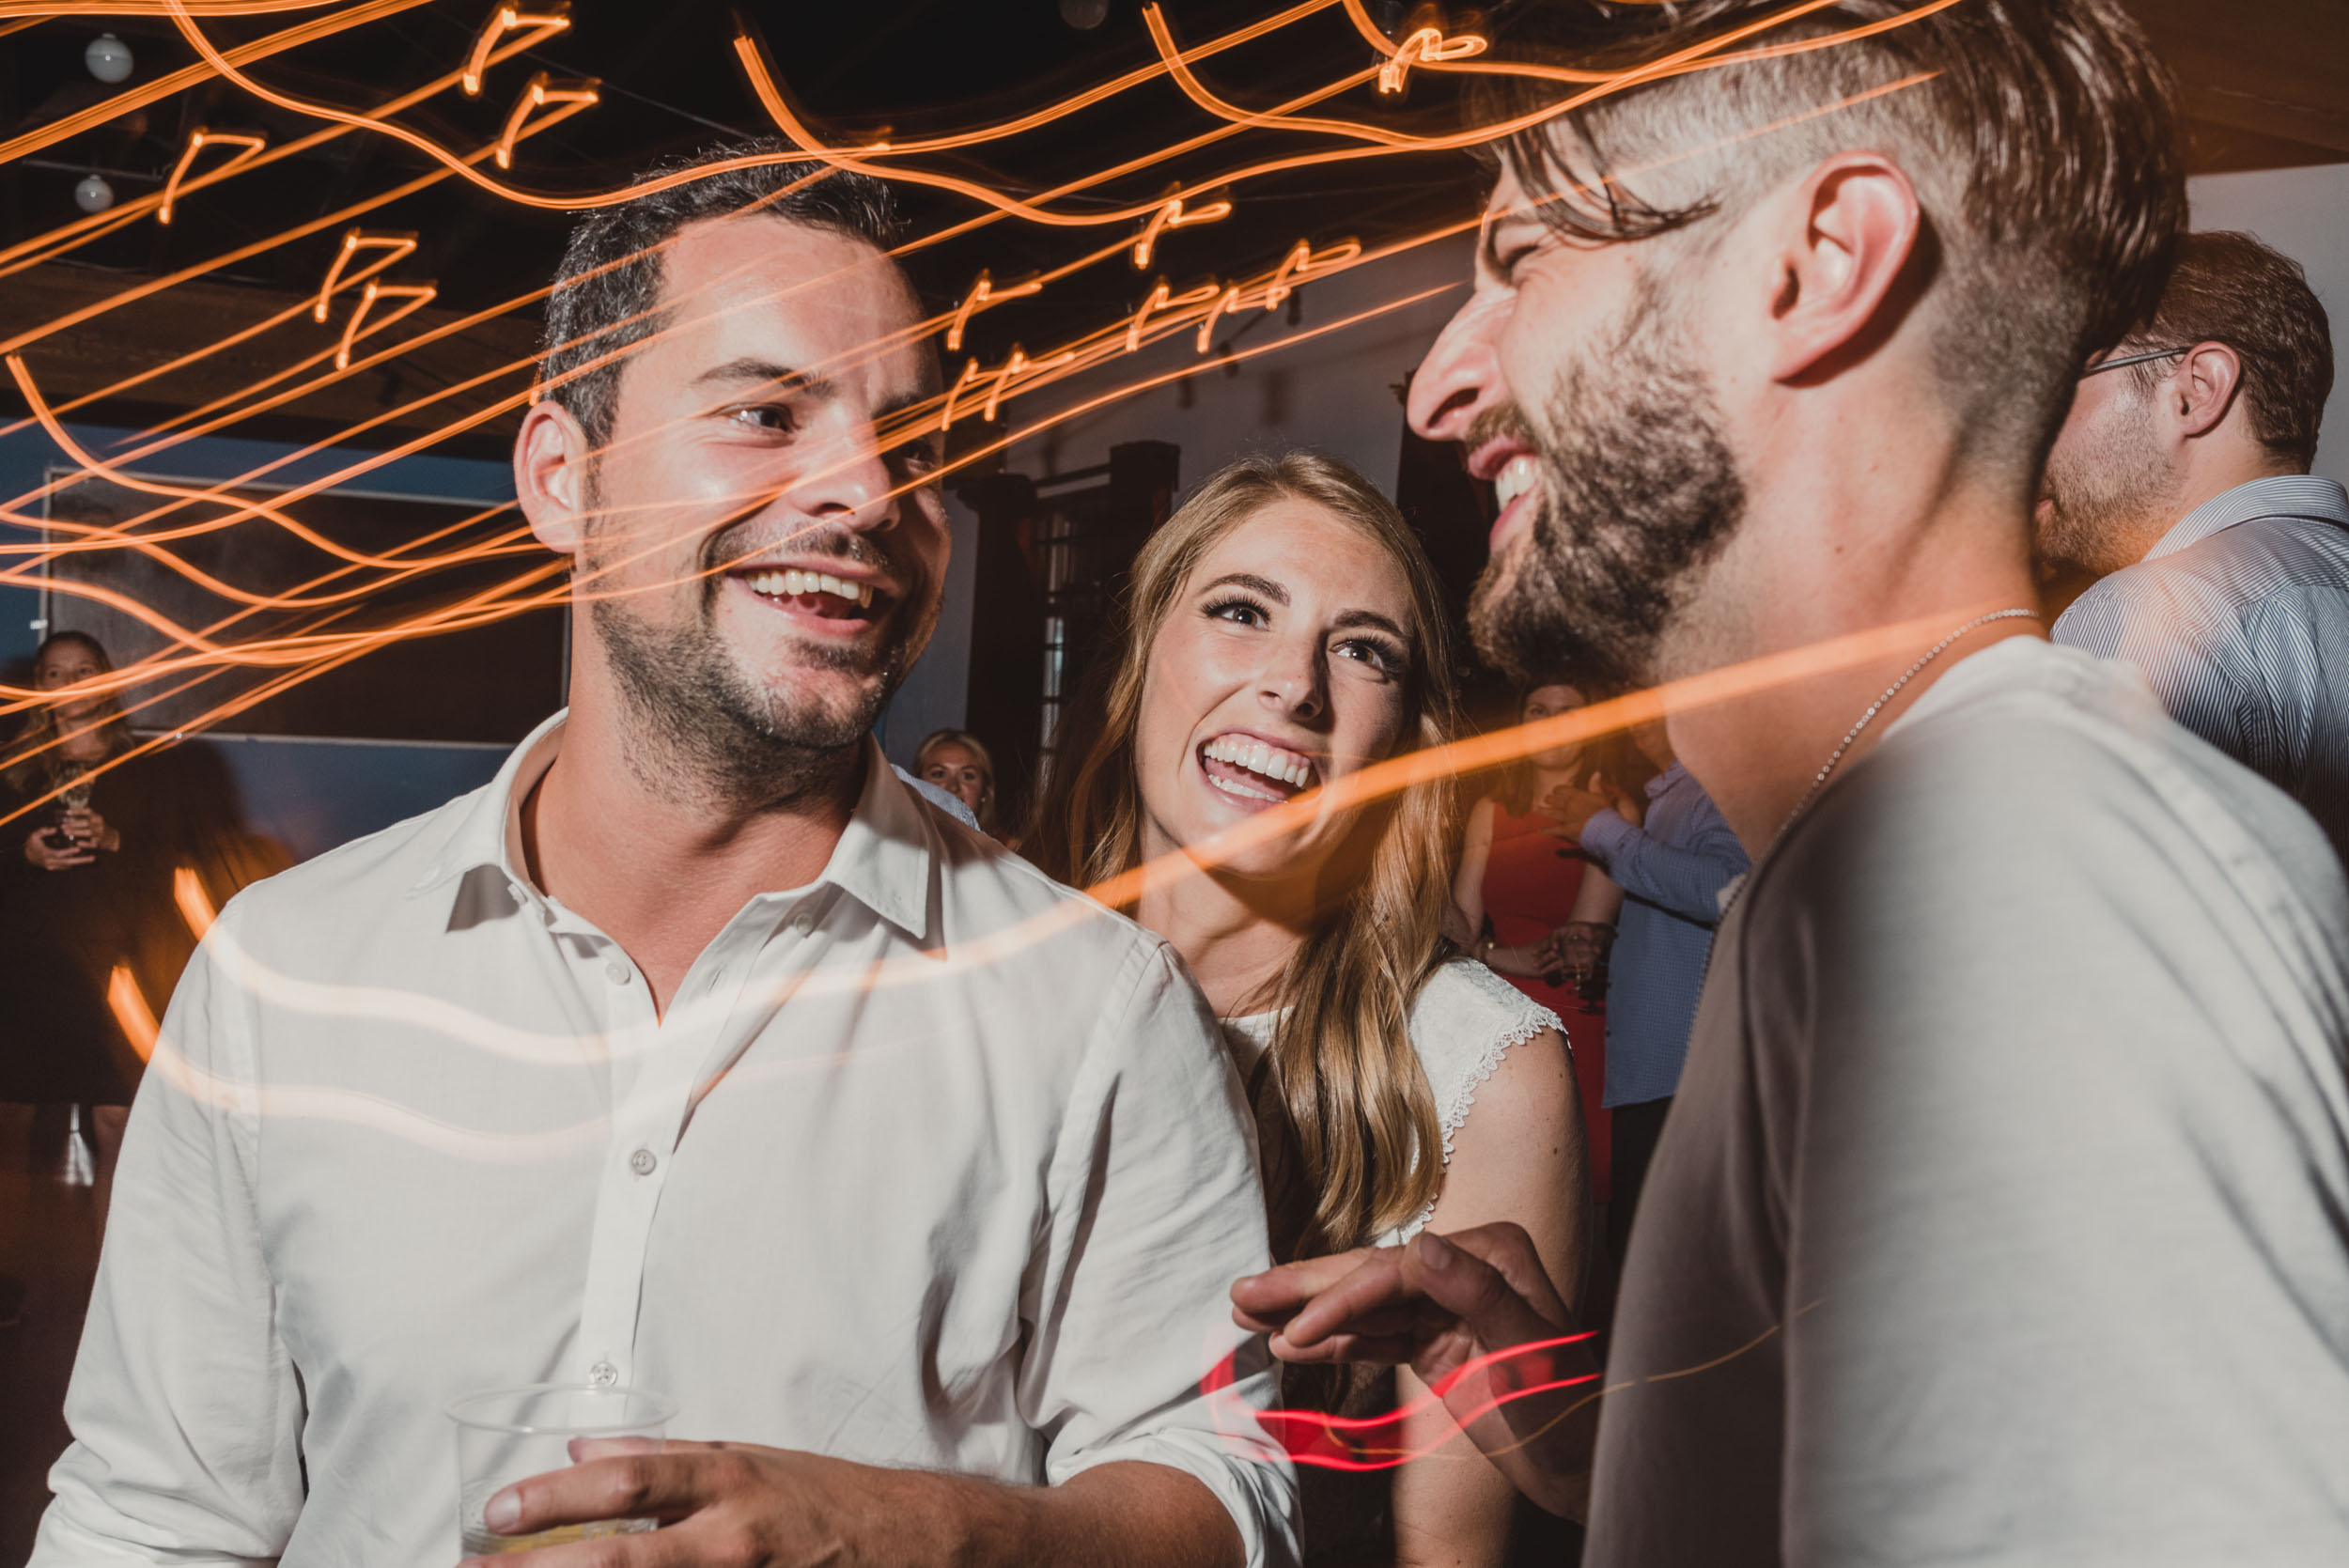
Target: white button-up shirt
{"x":930,"y":1163}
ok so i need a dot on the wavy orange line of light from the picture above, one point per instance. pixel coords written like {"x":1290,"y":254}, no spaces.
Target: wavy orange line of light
{"x":270,"y":652}
{"x":42,"y":10}
{"x":149,"y":669}
{"x":353,"y":648}
{"x":447,"y":329}
{"x":76,"y":453}
{"x":139,"y":672}
{"x":417,"y":296}
{"x":556,"y":19}
{"x":459,"y":166}
{"x":334,"y":284}
{"x":187,"y":76}
{"x":197,"y":142}
{"x":1350,"y":792}
{"x":50,"y":551}
{"x":1090,"y":96}
{"x":537,"y":93}
{"x":1697,"y":56}
{"x":1478,"y":753}
{"x":81,"y":230}
{"x":1560,"y":73}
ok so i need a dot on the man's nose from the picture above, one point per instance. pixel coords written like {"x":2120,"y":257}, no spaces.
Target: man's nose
{"x":1460,"y":377}
{"x":848,"y":482}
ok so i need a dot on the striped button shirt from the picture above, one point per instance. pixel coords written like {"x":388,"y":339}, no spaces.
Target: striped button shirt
{"x":2239,"y":619}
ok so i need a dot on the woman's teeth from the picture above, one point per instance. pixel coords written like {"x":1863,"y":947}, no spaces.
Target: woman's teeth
{"x":1272,"y":762}
{"x":789,"y":585}
{"x":1515,"y":477}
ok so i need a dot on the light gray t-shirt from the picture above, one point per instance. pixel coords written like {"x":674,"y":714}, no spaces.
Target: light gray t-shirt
{"x":2002,"y":1217}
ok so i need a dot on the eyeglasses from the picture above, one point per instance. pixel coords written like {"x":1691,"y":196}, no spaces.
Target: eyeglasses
{"x":2101,"y":367}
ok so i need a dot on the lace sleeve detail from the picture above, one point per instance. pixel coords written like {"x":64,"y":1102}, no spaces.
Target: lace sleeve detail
{"x":1464,"y":1020}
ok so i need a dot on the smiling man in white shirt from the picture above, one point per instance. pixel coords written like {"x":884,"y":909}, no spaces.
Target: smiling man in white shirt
{"x":694,"y":1052}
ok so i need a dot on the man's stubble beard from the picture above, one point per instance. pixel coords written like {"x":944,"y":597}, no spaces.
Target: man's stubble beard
{"x":1639,"y":495}
{"x":702,"y":727}
{"x":2104,"y":494}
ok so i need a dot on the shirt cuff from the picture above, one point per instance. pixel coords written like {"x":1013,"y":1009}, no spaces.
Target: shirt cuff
{"x":1605,"y":835}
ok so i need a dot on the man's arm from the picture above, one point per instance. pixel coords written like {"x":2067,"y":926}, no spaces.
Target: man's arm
{"x":1155,"y":1207}
{"x":774,"y":1507}
{"x":185,"y":1409}
{"x":1686,"y":877}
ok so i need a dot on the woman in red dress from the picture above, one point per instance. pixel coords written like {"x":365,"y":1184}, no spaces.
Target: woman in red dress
{"x":1520,"y":881}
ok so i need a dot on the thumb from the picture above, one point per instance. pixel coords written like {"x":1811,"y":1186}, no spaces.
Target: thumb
{"x":1476,"y":1293}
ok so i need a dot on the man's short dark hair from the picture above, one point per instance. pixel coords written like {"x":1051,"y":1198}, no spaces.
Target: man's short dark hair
{"x":607,"y":293}
{"x":2228,"y":287}
{"x":2041,"y":135}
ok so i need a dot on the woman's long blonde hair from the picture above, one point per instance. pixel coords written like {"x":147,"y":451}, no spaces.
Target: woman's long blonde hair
{"x":1358,"y":1147}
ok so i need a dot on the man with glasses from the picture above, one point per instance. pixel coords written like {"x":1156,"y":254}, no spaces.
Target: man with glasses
{"x":2178,"y":489}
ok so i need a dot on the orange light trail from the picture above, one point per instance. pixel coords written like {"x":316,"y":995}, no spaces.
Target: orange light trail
{"x":187,"y":76}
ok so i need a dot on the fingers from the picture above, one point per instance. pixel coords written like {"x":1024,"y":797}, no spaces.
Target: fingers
{"x":1383,"y":1349}
{"x":617,"y":1486}
{"x":1369,"y":1298}
{"x":1492,"y":1278}
{"x":1274,"y":1295}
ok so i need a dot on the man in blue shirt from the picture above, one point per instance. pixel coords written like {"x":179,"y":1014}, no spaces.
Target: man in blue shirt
{"x":1671,"y":862}
{"x":2181,"y":482}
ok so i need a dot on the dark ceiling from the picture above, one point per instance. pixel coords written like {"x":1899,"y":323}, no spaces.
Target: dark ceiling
{"x":2266,"y":87}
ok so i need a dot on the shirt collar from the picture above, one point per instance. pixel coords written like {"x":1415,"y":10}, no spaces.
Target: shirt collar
{"x":1665,"y":780}
{"x":883,"y":861}
{"x":2288,"y":495}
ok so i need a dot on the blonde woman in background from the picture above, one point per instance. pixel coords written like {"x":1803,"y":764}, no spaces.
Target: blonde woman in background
{"x":957,"y":762}
{"x":1282,"y":632}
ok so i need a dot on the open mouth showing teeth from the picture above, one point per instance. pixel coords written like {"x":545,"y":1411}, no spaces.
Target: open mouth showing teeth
{"x":1249,"y":769}
{"x":1515,"y":477}
{"x":818,"y":593}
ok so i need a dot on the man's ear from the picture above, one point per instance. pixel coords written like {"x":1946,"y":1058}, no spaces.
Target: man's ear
{"x":1841,"y":278}
{"x":550,"y":458}
{"x":2196,"y":398}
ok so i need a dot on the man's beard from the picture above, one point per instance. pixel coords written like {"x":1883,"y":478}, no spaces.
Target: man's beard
{"x":1639,"y":492}
{"x":700,"y":724}
{"x":2098,"y":493}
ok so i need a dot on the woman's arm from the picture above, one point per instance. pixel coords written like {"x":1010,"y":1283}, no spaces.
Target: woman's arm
{"x":1597,"y":902}
{"x":1519,"y":1157}
{"x":1476,"y":849}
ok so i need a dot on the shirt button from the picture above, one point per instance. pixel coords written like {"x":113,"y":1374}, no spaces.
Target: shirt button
{"x":616,"y":972}
{"x":803,"y":923}
{"x":642,"y":1161}
{"x":603,"y":1374}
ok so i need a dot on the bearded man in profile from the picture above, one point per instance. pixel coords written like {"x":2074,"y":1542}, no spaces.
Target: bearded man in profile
{"x":1998,"y":1217}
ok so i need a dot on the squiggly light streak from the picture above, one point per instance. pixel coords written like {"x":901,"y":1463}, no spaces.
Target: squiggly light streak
{"x":536,"y":95}
{"x":1430,"y":45}
{"x":187,"y":76}
{"x":506,"y":19}
{"x":197,"y":142}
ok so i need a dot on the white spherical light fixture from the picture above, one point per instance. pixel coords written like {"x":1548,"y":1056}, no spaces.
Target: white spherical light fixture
{"x":1084,"y":15}
{"x":93,"y":194}
{"x":108,"y":58}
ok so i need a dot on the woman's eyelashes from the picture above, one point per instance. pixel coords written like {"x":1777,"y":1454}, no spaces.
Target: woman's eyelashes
{"x":1381,"y":656}
{"x":1237,"y":609}
{"x":1375,"y":653}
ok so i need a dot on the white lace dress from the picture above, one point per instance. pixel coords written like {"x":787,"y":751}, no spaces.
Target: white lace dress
{"x":1463,"y":1022}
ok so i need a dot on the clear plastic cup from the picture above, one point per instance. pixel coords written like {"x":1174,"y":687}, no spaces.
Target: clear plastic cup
{"x":509,"y":1434}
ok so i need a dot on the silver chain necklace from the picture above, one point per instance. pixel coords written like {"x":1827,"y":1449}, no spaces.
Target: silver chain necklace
{"x":1737,"y":889}
{"x":1819,"y":782}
